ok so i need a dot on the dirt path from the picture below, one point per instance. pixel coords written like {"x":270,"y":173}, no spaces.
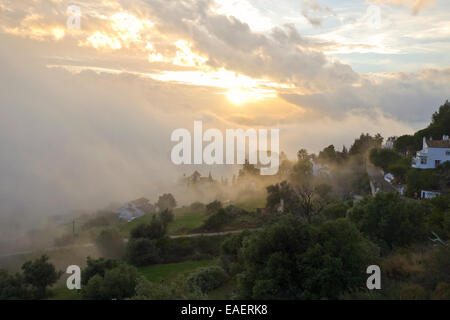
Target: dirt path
{"x":377,"y":179}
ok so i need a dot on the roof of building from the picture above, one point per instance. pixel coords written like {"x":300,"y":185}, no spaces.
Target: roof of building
{"x":438,"y":143}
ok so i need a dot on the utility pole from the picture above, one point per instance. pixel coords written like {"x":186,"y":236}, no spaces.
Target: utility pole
{"x":73,"y":227}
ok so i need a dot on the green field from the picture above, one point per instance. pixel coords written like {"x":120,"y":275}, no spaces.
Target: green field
{"x":62,"y":293}
{"x":252,"y":204}
{"x":185,"y":221}
{"x":169,"y":271}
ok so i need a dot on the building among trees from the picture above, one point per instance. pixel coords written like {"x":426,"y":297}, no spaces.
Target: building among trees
{"x":433,"y":153}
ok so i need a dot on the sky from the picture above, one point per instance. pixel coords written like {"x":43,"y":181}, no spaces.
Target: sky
{"x":86,"y":110}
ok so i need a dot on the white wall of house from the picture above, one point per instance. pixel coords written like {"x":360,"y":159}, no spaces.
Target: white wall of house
{"x":429,"y":194}
{"x":390,"y":142}
{"x":430,"y":158}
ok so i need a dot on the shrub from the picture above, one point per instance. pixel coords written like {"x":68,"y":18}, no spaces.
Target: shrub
{"x":213,"y":207}
{"x":40,"y":274}
{"x":390,"y":220}
{"x":117,"y":283}
{"x":207,"y":279}
{"x":411,"y":291}
{"x":13,"y":287}
{"x":384,"y":157}
{"x":96,"y":267}
{"x":217,"y":220}
{"x":294,"y":260}
{"x":156,"y":229}
{"x":166,"y":216}
{"x":336,"y":210}
{"x":442,"y":292}
{"x":164,"y":290}
{"x":142,"y":252}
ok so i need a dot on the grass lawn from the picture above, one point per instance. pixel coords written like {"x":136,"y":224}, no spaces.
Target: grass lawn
{"x":168,"y":271}
{"x":185,"y":221}
{"x":62,"y":293}
{"x":252,"y":204}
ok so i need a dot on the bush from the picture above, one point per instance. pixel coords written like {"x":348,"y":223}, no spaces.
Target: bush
{"x":439,"y":219}
{"x":337,"y":210}
{"x":117,"y":283}
{"x":174,"y":289}
{"x":217,"y":220}
{"x":411,"y":291}
{"x":230,"y":251}
{"x":13,"y":287}
{"x":295,"y":260}
{"x":213,"y":207}
{"x":143,"y":252}
{"x":417,"y":180}
{"x":166,"y":216}
{"x":390,"y":220}
{"x":383,"y":158}
{"x":40,"y":274}
{"x":207,"y":279}
{"x":156,"y":229}
{"x":166,"y":202}
{"x":442,"y":292}
{"x":96,"y":267}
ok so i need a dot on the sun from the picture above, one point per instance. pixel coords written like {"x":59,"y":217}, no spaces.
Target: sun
{"x":240,"y":97}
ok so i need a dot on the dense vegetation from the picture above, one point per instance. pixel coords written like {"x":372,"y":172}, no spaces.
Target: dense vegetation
{"x":317,"y":232}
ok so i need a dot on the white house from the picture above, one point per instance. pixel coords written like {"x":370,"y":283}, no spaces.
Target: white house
{"x":429,"y":194}
{"x":390,"y":142}
{"x":135,"y":209}
{"x":433,"y":153}
{"x":319,"y":168}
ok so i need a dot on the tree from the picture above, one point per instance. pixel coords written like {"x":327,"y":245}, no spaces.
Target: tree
{"x":96,"y":267}
{"x":406,"y":144}
{"x":13,"y":287}
{"x":439,"y":126}
{"x":383,"y":158}
{"x":248,"y":169}
{"x":302,"y":154}
{"x":283,"y":191}
{"x":156,"y":229}
{"x":390,"y":220}
{"x":143,"y":252}
{"x":117,"y":283}
{"x":166,"y":217}
{"x":294,"y":260}
{"x":207,"y":279}
{"x":230,"y":252}
{"x":399,"y":169}
{"x":213,"y":207}
{"x":302,"y":171}
{"x":166,"y":202}
{"x":439,"y":219}
{"x":337,"y":210}
{"x":217,"y":220}
{"x":364,"y":143}
{"x":40,"y":274}
{"x":417,"y":180}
